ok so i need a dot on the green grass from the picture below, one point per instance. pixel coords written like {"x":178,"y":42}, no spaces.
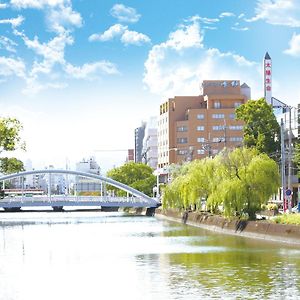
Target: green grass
{"x":288,"y":219}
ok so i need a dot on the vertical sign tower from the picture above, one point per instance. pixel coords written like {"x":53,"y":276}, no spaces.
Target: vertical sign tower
{"x":268,"y":78}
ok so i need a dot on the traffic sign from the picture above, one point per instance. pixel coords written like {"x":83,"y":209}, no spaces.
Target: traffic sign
{"x":288,"y":192}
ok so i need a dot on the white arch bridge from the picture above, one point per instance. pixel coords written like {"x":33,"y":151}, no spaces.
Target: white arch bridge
{"x":136,"y":198}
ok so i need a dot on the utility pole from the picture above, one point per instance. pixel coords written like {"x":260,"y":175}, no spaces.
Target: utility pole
{"x":282,"y":162}
{"x":290,"y":159}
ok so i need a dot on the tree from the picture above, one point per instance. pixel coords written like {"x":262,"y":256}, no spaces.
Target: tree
{"x":261,"y":129}
{"x":136,"y":175}
{"x":10,"y":140}
{"x":10,"y":165}
{"x":239,"y":181}
{"x":296,"y":159}
{"x":247,"y":179}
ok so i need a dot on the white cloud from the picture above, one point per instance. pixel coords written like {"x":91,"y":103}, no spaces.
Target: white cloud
{"x":226,"y":14}
{"x":3,"y":5}
{"x":118,"y":30}
{"x":59,"y":13}
{"x":125,"y":13}
{"x":177,"y":66}
{"x":62,"y":17}
{"x":109,"y":34}
{"x":39,"y":4}
{"x":278,"y":12}
{"x":294,"y":49}
{"x":204,"y":20}
{"x":241,"y":16}
{"x":91,"y":70}
{"x":15,"y":22}
{"x":239,"y":28}
{"x":134,"y":38}
{"x":210,"y":27}
{"x":7,"y":44}
{"x":10,"y":66}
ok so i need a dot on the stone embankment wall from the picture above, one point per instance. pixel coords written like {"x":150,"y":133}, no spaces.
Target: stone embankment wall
{"x":256,"y":229}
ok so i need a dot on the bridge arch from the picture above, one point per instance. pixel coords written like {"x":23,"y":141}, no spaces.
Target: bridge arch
{"x":110,"y":181}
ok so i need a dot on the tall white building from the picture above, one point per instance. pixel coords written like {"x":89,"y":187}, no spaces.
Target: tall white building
{"x":149,"y":152}
{"x":87,"y":184}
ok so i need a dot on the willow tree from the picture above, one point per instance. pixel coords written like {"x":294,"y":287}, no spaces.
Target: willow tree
{"x":247,"y":180}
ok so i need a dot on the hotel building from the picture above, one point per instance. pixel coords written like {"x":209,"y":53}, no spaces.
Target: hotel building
{"x":194,"y":127}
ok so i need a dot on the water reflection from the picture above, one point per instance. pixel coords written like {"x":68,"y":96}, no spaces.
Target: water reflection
{"x":93,"y":255}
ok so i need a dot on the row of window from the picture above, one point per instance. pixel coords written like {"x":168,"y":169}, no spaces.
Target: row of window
{"x":217,"y":104}
{"x":215,"y":128}
{"x":199,"y":151}
{"x":216,"y":116}
{"x":220,"y":139}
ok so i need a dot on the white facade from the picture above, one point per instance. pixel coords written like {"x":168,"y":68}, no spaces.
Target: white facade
{"x":87,"y":184}
{"x":149,"y":152}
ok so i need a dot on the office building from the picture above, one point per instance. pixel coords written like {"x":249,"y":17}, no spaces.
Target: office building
{"x":194,"y":127}
{"x":149,"y":152}
{"x":139,"y":134}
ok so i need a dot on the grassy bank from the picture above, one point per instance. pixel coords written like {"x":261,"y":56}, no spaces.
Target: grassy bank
{"x":288,"y":219}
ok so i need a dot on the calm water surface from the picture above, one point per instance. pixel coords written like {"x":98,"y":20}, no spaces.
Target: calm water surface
{"x":94,"y":255}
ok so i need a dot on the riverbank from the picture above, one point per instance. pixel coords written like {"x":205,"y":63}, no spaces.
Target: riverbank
{"x":260,"y":229}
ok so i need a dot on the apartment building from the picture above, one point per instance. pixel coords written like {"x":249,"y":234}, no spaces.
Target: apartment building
{"x":193,"y":127}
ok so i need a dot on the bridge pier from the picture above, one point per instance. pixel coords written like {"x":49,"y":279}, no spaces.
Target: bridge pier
{"x":12,"y":209}
{"x":150,"y":212}
{"x":58,"y":208}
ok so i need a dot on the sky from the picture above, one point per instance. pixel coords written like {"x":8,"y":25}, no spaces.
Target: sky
{"x":82,"y":75}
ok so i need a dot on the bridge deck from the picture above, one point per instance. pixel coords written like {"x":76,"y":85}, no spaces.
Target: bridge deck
{"x":105,"y":201}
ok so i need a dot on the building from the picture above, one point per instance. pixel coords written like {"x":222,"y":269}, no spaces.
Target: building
{"x":82,"y":184}
{"x":149,"y":152}
{"x":139,"y":134}
{"x":193,"y":127}
{"x":130,"y":155}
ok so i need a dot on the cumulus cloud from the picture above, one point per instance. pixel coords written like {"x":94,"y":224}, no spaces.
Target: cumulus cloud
{"x":125,"y":13}
{"x":3,"y":5}
{"x":294,"y":49}
{"x":278,"y":12}
{"x":134,"y":38}
{"x":176,"y":66}
{"x":126,"y":36}
{"x":109,"y":34}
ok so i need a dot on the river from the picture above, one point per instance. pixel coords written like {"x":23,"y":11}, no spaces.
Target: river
{"x":95,"y":255}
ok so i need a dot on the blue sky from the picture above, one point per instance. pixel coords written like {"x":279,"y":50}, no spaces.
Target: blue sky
{"x":81,"y":75}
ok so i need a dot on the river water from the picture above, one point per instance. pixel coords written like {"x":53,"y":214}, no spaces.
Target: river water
{"x":95,"y":255}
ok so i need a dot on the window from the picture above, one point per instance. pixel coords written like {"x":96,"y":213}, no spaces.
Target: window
{"x":200,"y":128}
{"x":200,"y":151}
{"x":237,"y":104}
{"x":182,"y":128}
{"x":218,"y":127}
{"x":215,"y":151}
{"x":218,"y":116}
{"x":182,"y":152}
{"x":200,"y":140}
{"x":232,"y":116}
{"x":236,"y":127}
{"x":218,"y":139}
{"x":200,"y":117}
{"x":235,"y":139}
{"x":217,"y":104}
{"x":181,"y":140}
